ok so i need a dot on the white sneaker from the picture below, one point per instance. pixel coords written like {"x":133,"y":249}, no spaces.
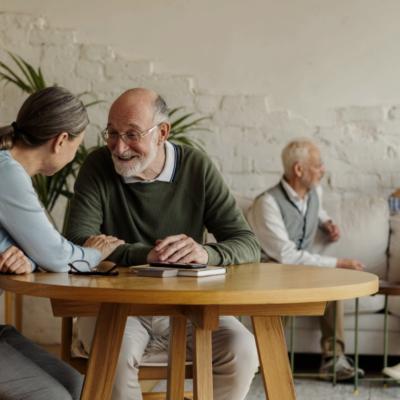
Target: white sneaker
{"x":344,"y":367}
{"x":393,"y":372}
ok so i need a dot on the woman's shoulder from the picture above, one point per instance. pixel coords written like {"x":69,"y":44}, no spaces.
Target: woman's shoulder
{"x":14,"y":180}
{"x":10,"y":168}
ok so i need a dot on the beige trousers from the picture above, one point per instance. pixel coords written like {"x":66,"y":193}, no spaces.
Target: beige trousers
{"x":234,"y":354}
{"x":327,"y":324}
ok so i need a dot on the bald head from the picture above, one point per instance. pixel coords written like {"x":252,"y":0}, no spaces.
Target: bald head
{"x":139,"y":104}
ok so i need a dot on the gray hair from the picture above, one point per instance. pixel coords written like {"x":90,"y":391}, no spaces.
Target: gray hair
{"x":296,"y":151}
{"x":160,"y":110}
{"x":44,"y":115}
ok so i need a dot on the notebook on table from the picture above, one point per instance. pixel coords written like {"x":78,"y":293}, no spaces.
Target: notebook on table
{"x":161,"y":272}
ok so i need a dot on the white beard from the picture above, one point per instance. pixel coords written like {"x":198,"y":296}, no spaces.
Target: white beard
{"x":135,"y":166}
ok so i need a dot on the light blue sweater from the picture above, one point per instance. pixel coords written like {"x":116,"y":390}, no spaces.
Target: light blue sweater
{"x":23,"y":222}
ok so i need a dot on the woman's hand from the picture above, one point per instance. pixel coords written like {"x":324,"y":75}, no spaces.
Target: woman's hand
{"x":13,"y":260}
{"x":105,"y":244}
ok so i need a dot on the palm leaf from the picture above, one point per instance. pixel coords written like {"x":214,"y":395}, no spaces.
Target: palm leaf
{"x":180,"y":120}
{"x":25,"y":71}
{"x":13,"y":78}
{"x":173,"y":111}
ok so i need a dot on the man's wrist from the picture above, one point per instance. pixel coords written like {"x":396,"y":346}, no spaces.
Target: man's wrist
{"x":214,"y":257}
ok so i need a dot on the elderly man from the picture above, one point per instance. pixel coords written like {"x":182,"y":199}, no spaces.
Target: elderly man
{"x":159,"y":197}
{"x":285,"y":219}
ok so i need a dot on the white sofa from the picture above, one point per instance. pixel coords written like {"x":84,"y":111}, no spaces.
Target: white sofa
{"x":369,"y":234}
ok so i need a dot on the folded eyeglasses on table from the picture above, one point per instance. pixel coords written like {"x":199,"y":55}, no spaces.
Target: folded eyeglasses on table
{"x":82,"y":267}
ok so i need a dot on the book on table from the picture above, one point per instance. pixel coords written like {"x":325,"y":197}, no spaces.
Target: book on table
{"x":208,"y":271}
{"x":143,"y":270}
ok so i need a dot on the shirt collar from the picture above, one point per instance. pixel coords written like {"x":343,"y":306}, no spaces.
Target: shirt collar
{"x":292,"y":194}
{"x":167,"y":173}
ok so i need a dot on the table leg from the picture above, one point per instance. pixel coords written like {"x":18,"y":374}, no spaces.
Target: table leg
{"x":105,"y":350}
{"x":272,"y":351}
{"x":177,"y":358}
{"x":202,"y":364}
{"x":204,"y":319}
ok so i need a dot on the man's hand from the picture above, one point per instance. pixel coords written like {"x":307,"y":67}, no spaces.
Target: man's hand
{"x":347,"y":263}
{"x":14,"y":260}
{"x":105,"y":244}
{"x":178,"y":248}
{"x":332,"y":230}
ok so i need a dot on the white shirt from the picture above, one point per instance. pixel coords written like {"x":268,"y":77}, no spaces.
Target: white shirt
{"x":265,"y":218}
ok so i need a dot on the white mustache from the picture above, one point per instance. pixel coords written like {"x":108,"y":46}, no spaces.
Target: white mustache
{"x":126,"y":155}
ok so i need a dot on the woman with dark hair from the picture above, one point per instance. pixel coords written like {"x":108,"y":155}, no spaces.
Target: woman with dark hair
{"x":45,"y":136}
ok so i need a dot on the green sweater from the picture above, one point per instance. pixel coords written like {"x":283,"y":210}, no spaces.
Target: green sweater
{"x":140,"y":213}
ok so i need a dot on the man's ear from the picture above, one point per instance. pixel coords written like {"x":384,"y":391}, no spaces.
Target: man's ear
{"x":59,"y":141}
{"x":165,"y":128}
{"x":298,"y":170}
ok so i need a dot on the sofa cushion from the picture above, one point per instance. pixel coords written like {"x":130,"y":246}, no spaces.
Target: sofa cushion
{"x":366,"y":304}
{"x":364,"y":226}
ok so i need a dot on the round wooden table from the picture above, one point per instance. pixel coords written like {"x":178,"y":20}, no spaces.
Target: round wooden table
{"x":265,"y":292}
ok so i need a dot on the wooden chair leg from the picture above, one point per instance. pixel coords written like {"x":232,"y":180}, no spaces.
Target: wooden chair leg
{"x":18,"y":311}
{"x":9,"y":308}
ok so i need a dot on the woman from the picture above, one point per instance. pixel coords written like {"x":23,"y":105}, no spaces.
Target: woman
{"x":45,"y":136}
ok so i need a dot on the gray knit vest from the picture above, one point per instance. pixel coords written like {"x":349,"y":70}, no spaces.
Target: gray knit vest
{"x":301,"y":229}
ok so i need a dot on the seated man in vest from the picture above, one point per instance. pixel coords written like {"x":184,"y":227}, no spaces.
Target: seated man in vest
{"x":285,"y":219}
{"x":160,"y":197}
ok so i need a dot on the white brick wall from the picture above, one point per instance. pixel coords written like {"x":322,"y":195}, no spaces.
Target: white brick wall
{"x":360,"y":147}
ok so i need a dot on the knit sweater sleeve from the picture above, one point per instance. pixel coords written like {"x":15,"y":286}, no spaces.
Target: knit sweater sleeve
{"x":236,"y":243}
{"x":86,"y":214}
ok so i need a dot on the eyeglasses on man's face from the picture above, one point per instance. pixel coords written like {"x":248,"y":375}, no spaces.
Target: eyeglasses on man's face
{"x":82,"y":267}
{"x":133,"y":136}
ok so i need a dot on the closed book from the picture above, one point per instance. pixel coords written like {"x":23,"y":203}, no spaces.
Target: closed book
{"x":202,"y":271}
{"x":154,"y":271}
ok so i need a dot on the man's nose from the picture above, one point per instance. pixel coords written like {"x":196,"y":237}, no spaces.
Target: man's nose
{"x":120,"y":146}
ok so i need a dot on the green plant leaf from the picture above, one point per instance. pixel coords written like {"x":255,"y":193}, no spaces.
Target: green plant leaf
{"x":13,"y":78}
{"x":180,"y":120}
{"x":20,"y":63}
{"x":92,"y":103}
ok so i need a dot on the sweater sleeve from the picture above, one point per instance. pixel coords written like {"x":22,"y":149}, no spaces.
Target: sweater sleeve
{"x":25,"y":221}
{"x":236,"y":243}
{"x":86,"y":214}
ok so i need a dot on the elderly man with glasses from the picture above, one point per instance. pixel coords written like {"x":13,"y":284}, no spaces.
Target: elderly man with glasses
{"x":160,"y":197}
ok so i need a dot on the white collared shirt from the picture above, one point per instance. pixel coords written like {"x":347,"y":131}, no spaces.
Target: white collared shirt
{"x":168,"y":171}
{"x":265,"y":218}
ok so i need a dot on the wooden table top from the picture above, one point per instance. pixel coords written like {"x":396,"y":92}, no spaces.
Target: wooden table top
{"x":256,"y":283}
